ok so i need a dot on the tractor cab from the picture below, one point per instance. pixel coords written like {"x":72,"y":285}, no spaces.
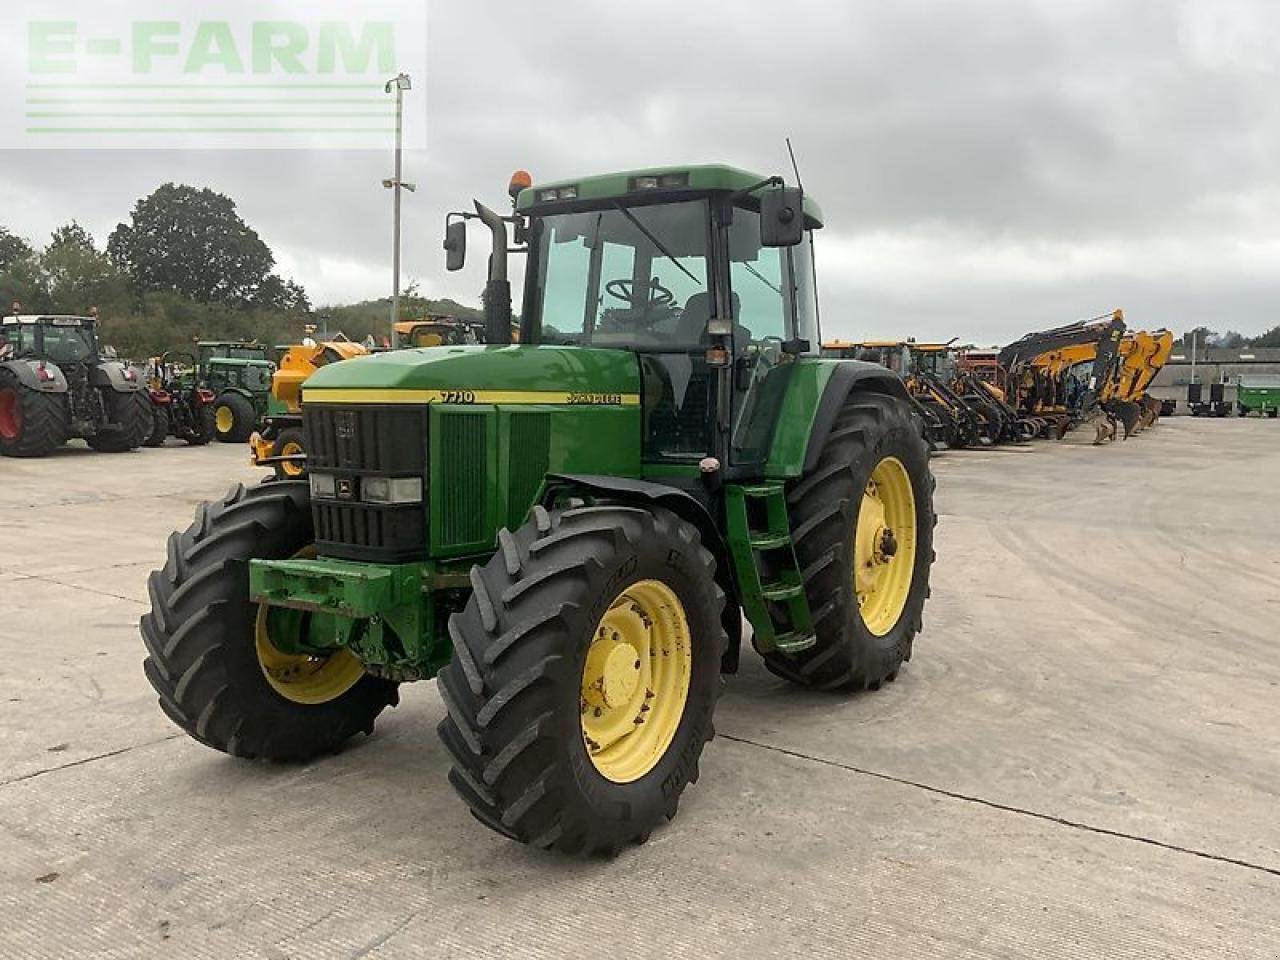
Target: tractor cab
{"x":58,"y":339}
{"x":235,"y":364}
{"x":890,"y":354}
{"x":705,"y":273}
{"x":934,"y":359}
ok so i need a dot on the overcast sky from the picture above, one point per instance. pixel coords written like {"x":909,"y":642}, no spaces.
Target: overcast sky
{"x":985,"y":168}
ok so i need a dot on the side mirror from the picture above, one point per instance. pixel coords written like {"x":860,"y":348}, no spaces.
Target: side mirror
{"x":781,"y":217}
{"x":455,"y":244}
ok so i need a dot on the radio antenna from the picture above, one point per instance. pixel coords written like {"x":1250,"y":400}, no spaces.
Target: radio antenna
{"x":794,"y":166}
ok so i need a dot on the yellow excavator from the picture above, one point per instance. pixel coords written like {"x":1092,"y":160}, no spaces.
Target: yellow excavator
{"x":1063,"y":376}
{"x":1142,"y":355}
{"x":279,"y":445}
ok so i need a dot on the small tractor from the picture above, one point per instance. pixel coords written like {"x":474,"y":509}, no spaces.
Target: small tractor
{"x":239,"y":374}
{"x":57,"y":384}
{"x":181,"y":407}
{"x":280,"y":444}
{"x":567,"y":531}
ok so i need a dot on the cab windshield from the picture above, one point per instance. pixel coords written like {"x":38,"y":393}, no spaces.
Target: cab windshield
{"x":938,"y":362}
{"x":236,"y":352}
{"x":61,"y":343}
{"x":629,"y":276}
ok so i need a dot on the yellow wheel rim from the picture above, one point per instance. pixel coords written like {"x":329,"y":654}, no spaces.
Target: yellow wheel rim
{"x":884,"y":546}
{"x":301,"y":678}
{"x":635,"y":681}
{"x":224,"y":419}
{"x":291,"y":468}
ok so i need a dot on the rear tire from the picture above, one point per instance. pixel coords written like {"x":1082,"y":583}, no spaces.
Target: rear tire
{"x":824,"y":507}
{"x":519,"y":714}
{"x":204,"y":430}
{"x":234,"y":418}
{"x":32,"y":423}
{"x":133,"y":412}
{"x":159,"y":427}
{"x":200,"y":635}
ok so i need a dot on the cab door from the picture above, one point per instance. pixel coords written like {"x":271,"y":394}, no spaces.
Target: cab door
{"x":774,"y":323}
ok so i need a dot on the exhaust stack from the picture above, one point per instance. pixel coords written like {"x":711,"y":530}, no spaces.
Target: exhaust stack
{"x":497,"y":289}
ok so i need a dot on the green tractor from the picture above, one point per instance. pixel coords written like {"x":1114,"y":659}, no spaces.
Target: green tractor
{"x":239,"y":374}
{"x":568,"y":531}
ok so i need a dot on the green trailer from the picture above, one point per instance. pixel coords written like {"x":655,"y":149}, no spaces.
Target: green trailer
{"x":1258,"y":393}
{"x":567,"y":531}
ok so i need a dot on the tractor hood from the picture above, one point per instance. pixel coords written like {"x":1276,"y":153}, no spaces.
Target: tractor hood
{"x":481,"y":374}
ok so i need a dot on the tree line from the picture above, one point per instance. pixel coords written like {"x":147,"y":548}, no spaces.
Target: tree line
{"x":185,"y":266}
{"x":1231,"y":340}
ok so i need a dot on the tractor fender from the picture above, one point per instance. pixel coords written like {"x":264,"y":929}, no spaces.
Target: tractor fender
{"x":850,"y":376}
{"x":686,"y":507}
{"x":112,"y":374}
{"x":25,"y":371}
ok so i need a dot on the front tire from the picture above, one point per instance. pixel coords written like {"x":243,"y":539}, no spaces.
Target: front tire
{"x":585,"y":673}
{"x":204,"y":429}
{"x":234,"y":418}
{"x":204,"y":638}
{"x":32,"y":423}
{"x":133,"y":413}
{"x":842,"y":538}
{"x":289,"y":443}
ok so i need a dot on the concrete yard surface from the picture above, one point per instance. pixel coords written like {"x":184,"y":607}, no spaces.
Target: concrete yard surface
{"x":1081,"y":760}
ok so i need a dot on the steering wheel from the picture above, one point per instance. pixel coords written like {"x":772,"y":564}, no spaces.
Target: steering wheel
{"x":655,"y":294}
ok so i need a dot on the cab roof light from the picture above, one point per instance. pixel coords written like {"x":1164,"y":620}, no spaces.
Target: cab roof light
{"x":558,"y":193}
{"x":664,"y":181}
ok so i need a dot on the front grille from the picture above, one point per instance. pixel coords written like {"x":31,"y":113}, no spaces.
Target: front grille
{"x":354,"y":442}
{"x":529,"y":460}
{"x":385,"y":440}
{"x":463,"y":478}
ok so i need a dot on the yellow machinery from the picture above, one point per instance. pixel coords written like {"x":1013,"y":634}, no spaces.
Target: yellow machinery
{"x":958,"y":408}
{"x":437,"y":330}
{"x":279,"y":444}
{"x":1143,"y":354}
{"x":1061,"y":375}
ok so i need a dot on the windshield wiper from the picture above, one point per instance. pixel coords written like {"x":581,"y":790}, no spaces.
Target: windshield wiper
{"x":655,"y":241}
{"x":761,"y":277}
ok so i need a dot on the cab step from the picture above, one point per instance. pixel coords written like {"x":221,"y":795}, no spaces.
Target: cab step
{"x":764,"y":559}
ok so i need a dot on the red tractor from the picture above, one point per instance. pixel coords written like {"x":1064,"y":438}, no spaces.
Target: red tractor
{"x":180,"y":406}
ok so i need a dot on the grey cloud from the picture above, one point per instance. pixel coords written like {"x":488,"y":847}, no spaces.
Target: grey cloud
{"x":985,"y":167}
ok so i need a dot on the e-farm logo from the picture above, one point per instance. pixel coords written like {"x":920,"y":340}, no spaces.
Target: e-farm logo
{"x":159,"y":74}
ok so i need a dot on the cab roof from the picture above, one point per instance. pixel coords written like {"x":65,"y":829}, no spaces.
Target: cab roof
{"x":687,"y":177}
{"x":38,"y":317}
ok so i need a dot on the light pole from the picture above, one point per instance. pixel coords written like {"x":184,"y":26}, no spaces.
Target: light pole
{"x":400,"y":83}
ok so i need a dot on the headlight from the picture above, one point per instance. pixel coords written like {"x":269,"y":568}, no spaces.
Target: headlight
{"x":323,"y":485}
{"x":391,"y":490}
